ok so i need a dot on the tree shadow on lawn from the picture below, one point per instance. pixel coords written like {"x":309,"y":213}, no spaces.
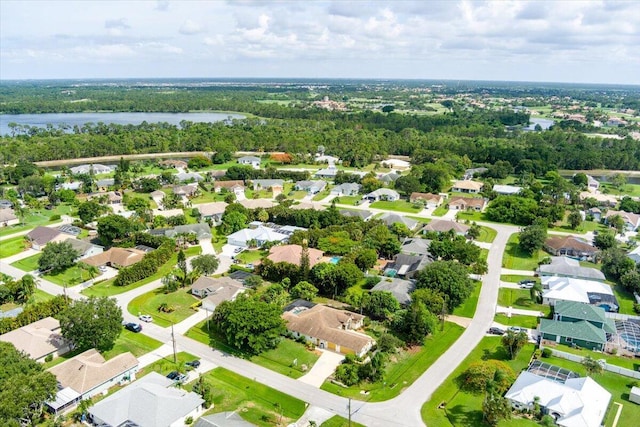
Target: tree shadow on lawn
{"x":499,"y":353}
{"x":461,"y":415}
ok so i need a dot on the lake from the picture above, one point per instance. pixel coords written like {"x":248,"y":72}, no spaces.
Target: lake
{"x":545,"y":124}
{"x":79,"y":119}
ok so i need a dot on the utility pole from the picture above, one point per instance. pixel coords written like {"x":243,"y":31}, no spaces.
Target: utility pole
{"x":349,"y":412}
{"x":173,"y":338}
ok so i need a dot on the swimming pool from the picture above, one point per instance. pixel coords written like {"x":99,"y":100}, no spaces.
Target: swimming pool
{"x":335,"y":259}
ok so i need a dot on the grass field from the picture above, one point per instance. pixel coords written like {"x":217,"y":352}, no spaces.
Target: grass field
{"x":36,"y":217}
{"x":408,"y":366}
{"x":468,"y":308}
{"x":516,"y":259}
{"x":348,"y":200}
{"x":398,"y":206}
{"x":247,"y":257}
{"x":514,"y":278}
{"x":625,"y":362}
{"x":136,"y":343}
{"x":529,"y":322}
{"x":520,"y":298}
{"x":255,"y":402}
{"x":107,"y":288}
{"x":12,"y":246}
{"x":71,"y":276}
{"x":487,"y":235}
{"x":27,"y":264}
{"x":166,"y":364}
{"x":323,"y":194}
{"x":440,"y":210}
{"x":148,"y":303}
{"x":625,"y":299}
{"x":464,"y":409}
{"x":338,"y":421}
{"x":279,"y":359}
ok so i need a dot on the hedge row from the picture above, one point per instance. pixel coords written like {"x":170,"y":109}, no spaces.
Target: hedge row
{"x":34,"y":312}
{"x":148,"y":266}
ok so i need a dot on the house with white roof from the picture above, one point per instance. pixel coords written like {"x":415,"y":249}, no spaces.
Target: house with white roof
{"x":260,"y":235}
{"x":346,"y":189}
{"x":568,"y":267}
{"x":592,"y":184}
{"x":382,"y":194}
{"x":396,"y":164}
{"x":506,"y":190}
{"x":631,"y":220}
{"x":576,"y":402}
{"x":8,"y":217}
{"x":467,"y":186}
{"x":189,"y":177}
{"x":252,"y":161}
{"x":578,"y":290}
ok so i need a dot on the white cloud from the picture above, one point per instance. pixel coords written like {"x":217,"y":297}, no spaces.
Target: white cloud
{"x":190,"y":27}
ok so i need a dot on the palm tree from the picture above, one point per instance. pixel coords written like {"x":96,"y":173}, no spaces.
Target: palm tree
{"x":535,"y":292}
{"x":26,"y":288}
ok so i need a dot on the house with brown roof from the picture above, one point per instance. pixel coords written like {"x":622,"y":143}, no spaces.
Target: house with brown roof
{"x":234,"y":186}
{"x":40,"y":236}
{"x":631,"y":220}
{"x":293,"y":254}
{"x":428,"y":199}
{"x":38,"y":339}
{"x":569,"y":246}
{"x":257,"y":203}
{"x":116,"y":257}
{"x":8,"y":217}
{"x":468,"y":203}
{"x":215,"y":291}
{"x":442,"y":226}
{"x":89,"y":374}
{"x":110,"y":197}
{"x":467,"y":186}
{"x":173,"y":163}
{"x":213,"y":210}
{"x":329,"y":328}
{"x":187,"y":190}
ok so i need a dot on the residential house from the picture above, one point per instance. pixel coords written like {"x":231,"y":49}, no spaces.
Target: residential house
{"x":396,"y":164}
{"x":471,"y":173}
{"x":213,"y":211}
{"x":38,"y":339}
{"x":104,"y":184}
{"x":206,"y":286}
{"x":570,"y":246}
{"x":329,"y":328}
{"x":73,"y":186}
{"x":388,"y":178}
{"x":346,"y":189}
{"x":323,"y":158}
{"x":70,"y":229}
{"x":40,"y":236}
{"x":595,"y":213}
{"x":222,"y":419}
{"x":257,"y":203}
{"x":467,"y":186}
{"x":275,"y":185}
{"x":578,"y":290}
{"x":87,"y":169}
{"x":235,"y":186}
{"x":604,"y":200}
{"x":399,"y":288}
{"x":8,"y":217}
{"x":390,"y":218}
{"x":157,"y":196}
{"x":173,"y":163}
{"x":252,"y":161}
{"x":240,"y":275}
{"x":89,"y":374}
{"x":84,"y":248}
{"x":293,"y":255}
{"x":151,"y":401}
{"x":635,"y":254}
{"x":428,"y":199}
{"x":116,"y":257}
{"x":257,"y":236}
{"x":574,"y":402}
{"x":415,"y":246}
{"x":568,"y":267}
{"x":109,"y":197}
{"x":406,"y":265}
{"x":616,"y":121}
{"x":592,"y":184}
{"x":506,"y":190}
{"x":443,"y":226}
{"x":168,"y":213}
{"x":316,"y":206}
{"x":312,"y":187}
{"x":468,"y":203}
{"x":189,"y":177}
{"x":579,"y":324}
{"x":188,"y":190}
{"x":327,"y":173}
{"x":361,"y":213}
{"x":201,"y":230}
{"x":5,"y":204}
{"x":631,"y":220}
{"x":382,"y":194}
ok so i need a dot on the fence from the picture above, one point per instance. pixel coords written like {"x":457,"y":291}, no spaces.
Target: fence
{"x":607,"y":367}
{"x":620,"y":316}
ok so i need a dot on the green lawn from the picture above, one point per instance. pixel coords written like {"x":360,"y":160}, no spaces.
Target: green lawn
{"x":398,"y":206}
{"x":472,"y":216}
{"x":348,"y":200}
{"x":136,"y":343}
{"x":487,"y":234}
{"x":12,"y":246}
{"x":71,"y":276}
{"x":625,"y":362}
{"x":625,"y":299}
{"x":465,"y":409}
{"x":468,"y":308}
{"x":583,"y":228}
{"x":40,"y":295}
{"x":323,"y":194}
{"x":529,"y":322}
{"x":422,"y":220}
{"x":247,"y":257}
{"x":515,"y":278}
{"x":208,"y":196}
{"x":35,"y":218}
{"x":107,"y":288}
{"x":618,"y":385}
{"x":166,"y":364}
{"x":27,"y":264}
{"x":440,"y":210}
{"x":296,"y":195}
{"x":409,"y":365}
{"x":516,"y":259}
{"x":279,"y":359}
{"x":338,"y":421}
{"x":520,"y":298}
{"x":148,"y":303}
{"x":255,"y":402}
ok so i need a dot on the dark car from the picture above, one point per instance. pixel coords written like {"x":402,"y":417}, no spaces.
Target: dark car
{"x":496,"y":331}
{"x":176,"y":376}
{"x":194,"y":364}
{"x":133,"y":327}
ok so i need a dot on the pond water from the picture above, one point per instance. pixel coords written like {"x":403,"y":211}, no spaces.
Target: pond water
{"x":79,"y":119}
{"x":545,"y":124}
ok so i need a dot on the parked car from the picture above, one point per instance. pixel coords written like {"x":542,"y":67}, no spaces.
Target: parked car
{"x":194,"y":364}
{"x":237,"y":250}
{"x":518,"y":329}
{"x":496,"y":331}
{"x":176,"y":376}
{"x":145,"y":318}
{"x":527,"y":284}
{"x":102,"y":268}
{"x":133,"y":327}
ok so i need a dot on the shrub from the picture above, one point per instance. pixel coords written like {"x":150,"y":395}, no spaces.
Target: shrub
{"x":188,"y":420}
{"x":48,"y":358}
{"x":389,"y":343}
{"x":476,"y":377}
{"x":546,"y":353}
{"x":55,"y":217}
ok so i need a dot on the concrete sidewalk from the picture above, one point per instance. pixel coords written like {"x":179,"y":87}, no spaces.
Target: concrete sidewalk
{"x":518,"y":272}
{"x":509,"y":311}
{"x":22,"y":255}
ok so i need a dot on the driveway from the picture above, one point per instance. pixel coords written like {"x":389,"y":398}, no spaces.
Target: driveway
{"x":207,"y":247}
{"x":323,"y":368}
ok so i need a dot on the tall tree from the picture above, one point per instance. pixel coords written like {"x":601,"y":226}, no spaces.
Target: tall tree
{"x":92,"y":323}
{"x":207,"y":263}
{"x":57,"y":257}
{"x":448,"y":277}
{"x":513,"y":342}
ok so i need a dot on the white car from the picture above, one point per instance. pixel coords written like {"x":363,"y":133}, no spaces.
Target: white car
{"x":145,"y":318}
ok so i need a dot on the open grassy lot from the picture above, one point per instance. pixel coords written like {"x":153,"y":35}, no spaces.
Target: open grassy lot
{"x":338,"y":421}
{"x":247,"y":257}
{"x":487,"y":235}
{"x":71,"y":276}
{"x":420,"y":219}
{"x":107,"y":288}
{"x":398,"y":206}
{"x":529,"y":322}
{"x":583,"y":228}
{"x":148,"y":303}
{"x":325,"y":193}
{"x":625,"y":299}
{"x":404,"y":370}
{"x":515,"y":278}
{"x":37,"y":217}
{"x":520,"y":298}
{"x":255,"y":402}
{"x":625,"y":362}
{"x":618,"y":385}
{"x":468,"y":308}
{"x":348,"y":200}
{"x":464,"y":409}
{"x":279,"y":359}
{"x":12,"y":246}
{"x":440,"y":210}
{"x":517,"y":259}
{"x":39,"y":295}
{"x":208,"y":196}
{"x":136,"y":343}
{"x":166,"y":364}
{"x":27,"y":264}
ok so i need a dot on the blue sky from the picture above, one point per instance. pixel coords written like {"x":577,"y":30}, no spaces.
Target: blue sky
{"x":565,"y":41}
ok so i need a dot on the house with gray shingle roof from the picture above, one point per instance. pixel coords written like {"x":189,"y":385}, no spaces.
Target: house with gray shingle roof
{"x":400,"y":289}
{"x":346,"y":189}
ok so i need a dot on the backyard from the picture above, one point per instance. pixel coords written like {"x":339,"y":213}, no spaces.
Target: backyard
{"x":179,"y":302}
